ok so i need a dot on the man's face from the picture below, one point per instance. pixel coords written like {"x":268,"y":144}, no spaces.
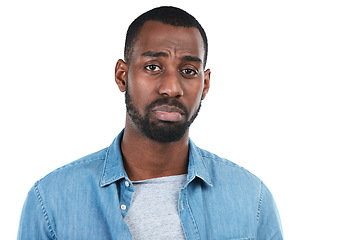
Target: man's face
{"x":165,"y":81}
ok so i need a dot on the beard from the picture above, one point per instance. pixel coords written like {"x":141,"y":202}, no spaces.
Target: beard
{"x":160,"y":131}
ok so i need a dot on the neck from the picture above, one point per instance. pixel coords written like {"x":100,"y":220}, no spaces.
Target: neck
{"x":144,"y":158}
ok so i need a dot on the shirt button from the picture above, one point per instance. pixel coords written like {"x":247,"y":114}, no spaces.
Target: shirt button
{"x":127,"y":184}
{"x":123,"y":207}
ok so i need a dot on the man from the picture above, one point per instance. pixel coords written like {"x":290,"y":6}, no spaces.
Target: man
{"x":153,"y":182}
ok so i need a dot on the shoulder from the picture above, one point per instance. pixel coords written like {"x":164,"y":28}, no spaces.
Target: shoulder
{"x":89,"y":166}
{"x":223,"y":169}
{"x":211,"y":157}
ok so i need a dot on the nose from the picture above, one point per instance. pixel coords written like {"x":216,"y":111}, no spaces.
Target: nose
{"x":170,"y":84}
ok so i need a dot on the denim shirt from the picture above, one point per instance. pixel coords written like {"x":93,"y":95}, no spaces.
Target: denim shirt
{"x":89,"y":198}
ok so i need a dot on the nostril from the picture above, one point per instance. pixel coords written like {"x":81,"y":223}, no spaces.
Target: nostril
{"x":165,"y":95}
{"x":178,"y":96}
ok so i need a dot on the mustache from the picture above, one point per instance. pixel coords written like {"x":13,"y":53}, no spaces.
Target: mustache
{"x":167,"y":101}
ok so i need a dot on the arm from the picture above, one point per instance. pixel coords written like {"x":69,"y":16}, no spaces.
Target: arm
{"x":268,"y":219}
{"x":34,"y":221}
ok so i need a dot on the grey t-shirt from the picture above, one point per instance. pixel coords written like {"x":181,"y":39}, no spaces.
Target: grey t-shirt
{"x":154,"y":213}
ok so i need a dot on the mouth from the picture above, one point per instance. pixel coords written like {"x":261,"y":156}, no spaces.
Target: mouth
{"x":168,"y":113}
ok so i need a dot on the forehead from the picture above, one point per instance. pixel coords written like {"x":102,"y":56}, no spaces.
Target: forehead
{"x":156,"y":36}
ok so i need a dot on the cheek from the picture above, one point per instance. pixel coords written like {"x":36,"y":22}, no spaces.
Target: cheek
{"x":140,"y":92}
{"x":195,"y":99}
{"x":197,"y":102}
{"x":140,"y":83}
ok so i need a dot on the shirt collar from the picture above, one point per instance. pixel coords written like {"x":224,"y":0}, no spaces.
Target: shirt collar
{"x":197,"y":167}
{"x":114,"y":167}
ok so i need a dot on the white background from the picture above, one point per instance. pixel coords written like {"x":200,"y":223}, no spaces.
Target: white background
{"x":284,"y":98}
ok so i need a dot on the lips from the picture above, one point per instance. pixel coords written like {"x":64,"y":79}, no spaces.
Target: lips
{"x":168,"y":113}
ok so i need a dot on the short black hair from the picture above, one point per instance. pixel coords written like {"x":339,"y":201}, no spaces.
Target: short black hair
{"x":167,"y":15}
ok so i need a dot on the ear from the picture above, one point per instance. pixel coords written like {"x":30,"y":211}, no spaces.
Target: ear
{"x":206,"y":83}
{"x":121,"y":71}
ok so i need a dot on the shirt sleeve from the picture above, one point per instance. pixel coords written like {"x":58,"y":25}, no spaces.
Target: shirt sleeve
{"x":269,"y":224}
{"x":34,"y":221}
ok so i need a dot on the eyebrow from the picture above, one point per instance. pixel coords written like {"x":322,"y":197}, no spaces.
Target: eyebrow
{"x":154,"y":54}
{"x":191,"y":59}
{"x":164,"y":54}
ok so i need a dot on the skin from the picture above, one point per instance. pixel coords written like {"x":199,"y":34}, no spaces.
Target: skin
{"x":167,"y":62}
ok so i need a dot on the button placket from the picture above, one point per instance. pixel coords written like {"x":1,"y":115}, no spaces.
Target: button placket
{"x":123,"y":207}
{"x":125,"y":196}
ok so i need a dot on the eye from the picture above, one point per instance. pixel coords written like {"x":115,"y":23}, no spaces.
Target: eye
{"x":188,"y":72}
{"x":153,"y":68}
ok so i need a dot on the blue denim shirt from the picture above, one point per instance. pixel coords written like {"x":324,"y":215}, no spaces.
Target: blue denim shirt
{"x":84,"y":200}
